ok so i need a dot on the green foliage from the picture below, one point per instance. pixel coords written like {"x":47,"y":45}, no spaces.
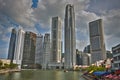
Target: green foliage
{"x":7,"y":66}
{"x":1,"y":63}
{"x":12,"y":66}
{"x":96,"y":68}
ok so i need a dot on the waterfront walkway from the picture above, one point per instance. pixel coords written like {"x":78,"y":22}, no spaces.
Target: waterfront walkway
{"x":87,"y":77}
{"x":9,"y":70}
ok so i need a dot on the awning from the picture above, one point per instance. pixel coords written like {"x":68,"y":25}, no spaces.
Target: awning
{"x":101,"y":73}
{"x":91,"y":71}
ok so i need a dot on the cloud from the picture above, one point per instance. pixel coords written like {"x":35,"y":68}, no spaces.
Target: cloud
{"x":26,"y":16}
{"x":4,"y":34}
{"x":102,"y":6}
{"x":81,"y":44}
{"x":3,"y":51}
{"x":48,"y":9}
{"x":111,"y":22}
{"x":18,"y":10}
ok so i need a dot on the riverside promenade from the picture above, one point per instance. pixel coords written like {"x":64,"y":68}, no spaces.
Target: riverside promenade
{"x":87,"y":77}
{"x":9,"y":70}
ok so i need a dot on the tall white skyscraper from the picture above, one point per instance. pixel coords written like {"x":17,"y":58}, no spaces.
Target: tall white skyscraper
{"x":70,"y":39}
{"x":98,"y":51}
{"x":46,"y":51}
{"x":39,"y":49}
{"x":56,"y":39}
{"x":19,"y":47}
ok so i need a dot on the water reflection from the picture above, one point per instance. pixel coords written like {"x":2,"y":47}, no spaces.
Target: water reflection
{"x":42,"y":75}
{"x":16,"y":76}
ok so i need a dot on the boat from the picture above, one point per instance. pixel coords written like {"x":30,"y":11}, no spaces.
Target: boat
{"x":65,"y":70}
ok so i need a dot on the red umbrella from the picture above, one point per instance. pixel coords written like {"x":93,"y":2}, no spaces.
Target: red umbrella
{"x":109,"y":76}
{"x":115,"y":77}
{"x":117,"y":72}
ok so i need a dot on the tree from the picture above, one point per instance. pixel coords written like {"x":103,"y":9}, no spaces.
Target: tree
{"x":38,"y":66}
{"x":12,"y":66}
{"x":96,"y":68}
{"x":6,"y":65}
{"x":1,"y":64}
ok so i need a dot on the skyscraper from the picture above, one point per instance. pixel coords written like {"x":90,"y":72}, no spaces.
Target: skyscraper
{"x":116,"y":57}
{"x":12,"y":45}
{"x":39,"y":49}
{"x":97,"y":44}
{"x":87,"y":49}
{"x":46,"y":51}
{"x":28,"y":59}
{"x":56,"y":39}
{"x":78,"y":57}
{"x":19,"y":47}
{"x":70,"y":39}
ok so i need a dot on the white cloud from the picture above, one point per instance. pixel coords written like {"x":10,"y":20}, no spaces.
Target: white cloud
{"x":18,"y":10}
{"x":47,"y":9}
{"x":111,"y":22}
{"x":81,"y":44}
{"x":3,"y":51}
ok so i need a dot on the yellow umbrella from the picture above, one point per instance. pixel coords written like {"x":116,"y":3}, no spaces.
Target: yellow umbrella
{"x":91,"y":71}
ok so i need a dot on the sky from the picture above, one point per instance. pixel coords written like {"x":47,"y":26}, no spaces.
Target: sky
{"x":35,"y":16}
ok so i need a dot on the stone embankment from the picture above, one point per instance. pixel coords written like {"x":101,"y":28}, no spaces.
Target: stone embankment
{"x":9,"y":70}
{"x":86,"y":77}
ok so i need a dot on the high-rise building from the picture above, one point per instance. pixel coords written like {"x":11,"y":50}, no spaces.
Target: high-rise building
{"x":46,"y":51}
{"x":78,"y":57}
{"x":116,"y":57}
{"x":98,"y":51}
{"x":87,"y":49}
{"x":28,"y":59}
{"x":19,"y":47}
{"x":39,"y":49}
{"x":56,"y":39}
{"x":109,"y":54}
{"x":86,"y":59}
{"x":83,"y":59}
{"x":12,"y":45}
{"x":70,"y":39}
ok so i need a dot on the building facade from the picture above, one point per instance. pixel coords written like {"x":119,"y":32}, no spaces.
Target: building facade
{"x":109,"y":54}
{"x":56,"y":36}
{"x":78,"y":57}
{"x":70,"y":39}
{"x":19,"y":47}
{"x":98,"y":51}
{"x":12,"y":45}
{"x":86,"y":59}
{"x":87,"y":49}
{"x":83,"y":59}
{"x":116,"y":57}
{"x":46,"y":51}
{"x":28,"y":59}
{"x":39,"y":49}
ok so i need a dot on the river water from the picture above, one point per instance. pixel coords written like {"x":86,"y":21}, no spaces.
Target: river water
{"x":42,"y":75}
